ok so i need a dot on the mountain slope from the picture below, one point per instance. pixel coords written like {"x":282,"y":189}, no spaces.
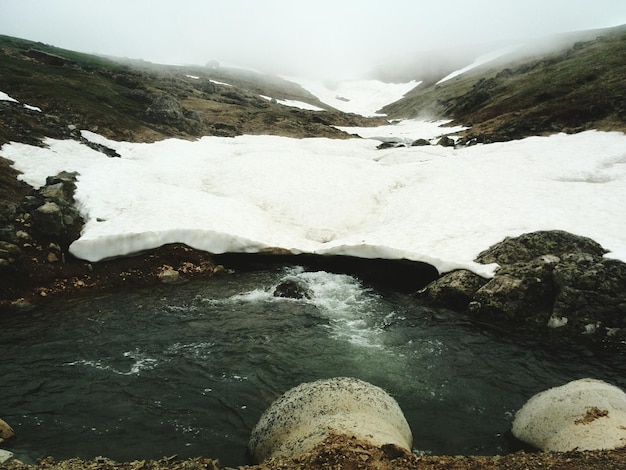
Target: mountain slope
{"x":581,"y":85}
{"x":138,"y":101}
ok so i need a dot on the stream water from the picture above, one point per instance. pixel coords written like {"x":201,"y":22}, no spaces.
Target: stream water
{"x":188,"y":369}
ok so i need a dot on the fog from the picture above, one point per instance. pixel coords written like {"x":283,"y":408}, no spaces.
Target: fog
{"x":318,"y":38}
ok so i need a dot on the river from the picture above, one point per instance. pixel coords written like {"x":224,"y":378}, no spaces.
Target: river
{"x":188,"y":369}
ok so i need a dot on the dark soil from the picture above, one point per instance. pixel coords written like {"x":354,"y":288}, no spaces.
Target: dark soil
{"x":341,"y":452}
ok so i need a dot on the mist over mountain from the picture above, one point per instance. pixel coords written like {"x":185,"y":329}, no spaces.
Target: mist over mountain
{"x":567,"y":82}
{"x":429,"y":66}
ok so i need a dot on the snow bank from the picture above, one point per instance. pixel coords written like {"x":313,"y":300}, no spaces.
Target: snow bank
{"x":294,"y":104}
{"x":251,"y":193}
{"x":5,"y":97}
{"x":405,"y":131}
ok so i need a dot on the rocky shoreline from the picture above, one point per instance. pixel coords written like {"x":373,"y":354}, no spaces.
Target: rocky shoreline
{"x":549,"y":283}
{"x":342,"y":452}
{"x":36,"y":229}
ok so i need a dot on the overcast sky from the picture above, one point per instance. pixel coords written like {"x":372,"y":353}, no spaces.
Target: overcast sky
{"x":293,"y":36}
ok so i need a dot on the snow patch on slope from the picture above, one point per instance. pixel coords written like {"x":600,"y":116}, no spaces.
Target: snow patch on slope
{"x":364,"y":97}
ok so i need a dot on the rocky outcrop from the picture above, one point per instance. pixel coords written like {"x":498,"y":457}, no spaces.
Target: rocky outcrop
{"x":36,"y":232}
{"x":165,"y":108}
{"x":446,"y":141}
{"x":548,"y":280}
{"x":529,"y":246}
{"x":48,"y":213}
{"x":36,"y":229}
{"x":48,"y":58}
{"x":52,"y":212}
{"x":420,"y":143}
{"x":585,"y":414}
{"x":454,"y":290}
{"x":308,"y":414}
{"x":390,"y":145}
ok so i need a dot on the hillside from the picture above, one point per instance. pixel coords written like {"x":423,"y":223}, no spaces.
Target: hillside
{"x":136,"y":100}
{"x":578,"y":83}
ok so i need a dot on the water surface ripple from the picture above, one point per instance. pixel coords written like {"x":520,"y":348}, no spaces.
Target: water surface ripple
{"x":189,"y":369}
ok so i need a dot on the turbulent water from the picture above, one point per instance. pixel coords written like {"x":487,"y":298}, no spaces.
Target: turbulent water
{"x":189,"y":369}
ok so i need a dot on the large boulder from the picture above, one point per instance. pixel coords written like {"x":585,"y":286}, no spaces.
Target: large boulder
{"x":164,"y":109}
{"x":5,"y":431}
{"x":456,"y":289}
{"x":309,"y":413}
{"x":40,"y":227}
{"x":585,"y":414}
{"x":591,"y":291}
{"x":49,"y":219}
{"x":446,"y":141}
{"x":549,"y":281}
{"x":529,"y":246}
{"x":521,"y":292}
{"x":292,"y":289}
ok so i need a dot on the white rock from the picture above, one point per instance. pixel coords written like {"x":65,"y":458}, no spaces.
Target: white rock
{"x":585,"y":414}
{"x":307,"y":414}
{"x":168,"y":275}
{"x":5,"y":455}
{"x":557,"y":322}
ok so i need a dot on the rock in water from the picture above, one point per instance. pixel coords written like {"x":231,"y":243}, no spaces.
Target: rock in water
{"x":547,"y":281}
{"x":292,"y":289}
{"x":585,"y":414}
{"x":307,"y":414}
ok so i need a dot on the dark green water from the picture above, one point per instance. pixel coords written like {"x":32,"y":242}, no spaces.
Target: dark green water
{"x":189,"y":369}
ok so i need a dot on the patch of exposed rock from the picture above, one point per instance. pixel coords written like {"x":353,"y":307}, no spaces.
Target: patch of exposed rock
{"x":165,"y":108}
{"x":36,"y":230}
{"x":46,"y":214}
{"x":549,"y":281}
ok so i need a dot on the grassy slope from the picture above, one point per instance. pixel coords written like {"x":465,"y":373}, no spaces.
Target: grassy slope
{"x":77,"y":92}
{"x":112,"y":97}
{"x":580,"y":86}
